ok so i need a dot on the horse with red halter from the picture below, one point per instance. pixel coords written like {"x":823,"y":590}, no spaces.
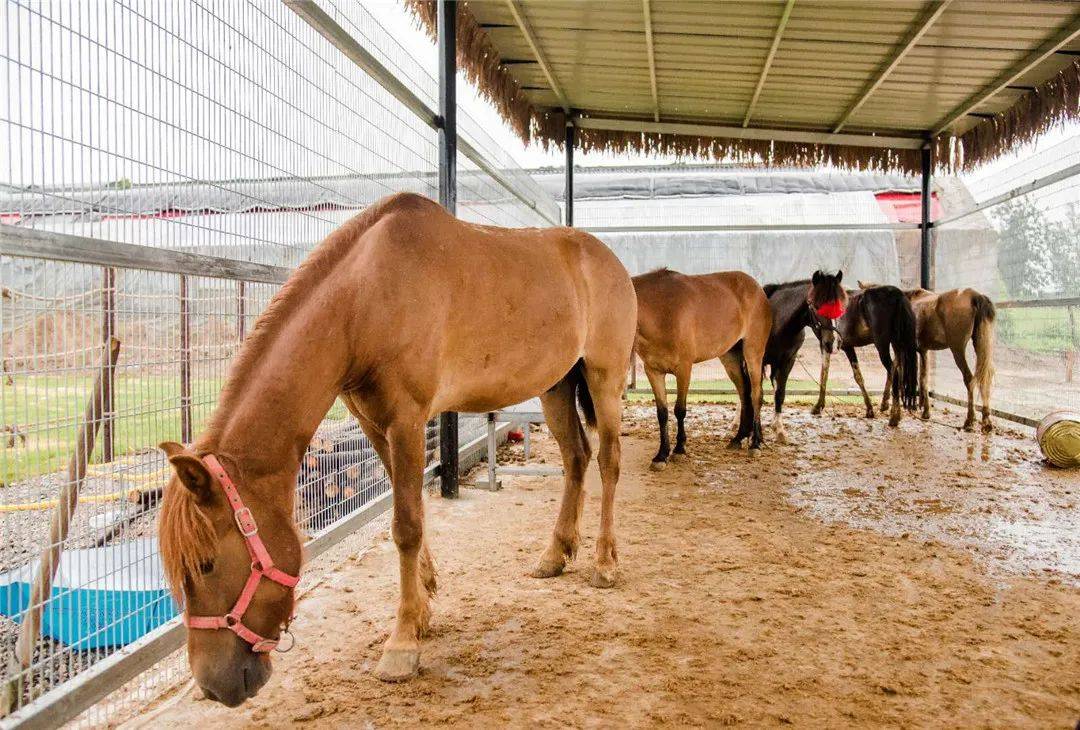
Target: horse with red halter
{"x":881,"y":317}
{"x":683,"y":320}
{"x":404,"y":312}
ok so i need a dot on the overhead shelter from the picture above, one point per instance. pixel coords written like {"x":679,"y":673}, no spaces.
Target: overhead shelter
{"x":788,"y":82}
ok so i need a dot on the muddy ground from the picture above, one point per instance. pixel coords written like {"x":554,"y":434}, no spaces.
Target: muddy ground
{"x":855,"y":577}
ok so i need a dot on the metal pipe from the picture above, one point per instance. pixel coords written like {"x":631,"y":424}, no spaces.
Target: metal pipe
{"x":447,"y":17}
{"x":568,"y":194}
{"x":924,"y":227}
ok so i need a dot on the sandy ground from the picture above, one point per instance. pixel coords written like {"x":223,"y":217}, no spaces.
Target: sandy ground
{"x":788,"y":589}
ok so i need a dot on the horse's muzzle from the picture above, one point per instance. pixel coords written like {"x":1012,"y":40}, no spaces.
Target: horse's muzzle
{"x":233,"y":685}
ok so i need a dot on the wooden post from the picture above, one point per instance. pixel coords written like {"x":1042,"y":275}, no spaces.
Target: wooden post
{"x":447,"y":27}
{"x":108,"y":331}
{"x":241,"y":311}
{"x":68,"y":501}
{"x":185,"y":362}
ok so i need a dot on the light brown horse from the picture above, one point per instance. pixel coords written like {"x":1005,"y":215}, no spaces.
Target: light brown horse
{"x":950,"y":320}
{"x":683,"y":320}
{"x":404,"y":311}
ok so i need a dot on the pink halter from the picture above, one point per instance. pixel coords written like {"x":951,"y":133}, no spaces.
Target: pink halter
{"x":262,"y":566}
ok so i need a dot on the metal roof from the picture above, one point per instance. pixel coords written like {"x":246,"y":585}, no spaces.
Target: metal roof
{"x":779,"y":69}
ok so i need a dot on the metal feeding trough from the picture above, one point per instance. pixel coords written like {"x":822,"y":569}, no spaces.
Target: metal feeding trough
{"x":101,"y":597}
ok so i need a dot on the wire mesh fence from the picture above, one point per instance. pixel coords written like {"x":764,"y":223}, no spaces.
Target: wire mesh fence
{"x":1019,"y":246}
{"x":221,"y":129}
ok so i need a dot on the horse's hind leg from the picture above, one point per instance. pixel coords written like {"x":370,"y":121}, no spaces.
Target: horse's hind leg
{"x":657,"y":380}
{"x":753,"y":351}
{"x":782,"y":373}
{"x":401,"y":653}
{"x":682,"y":379}
{"x":857,"y":372}
{"x":732,"y":362}
{"x":924,"y":392}
{"x":969,"y":384}
{"x":892,"y":370}
{"x":605,"y":386}
{"x":561,"y":416}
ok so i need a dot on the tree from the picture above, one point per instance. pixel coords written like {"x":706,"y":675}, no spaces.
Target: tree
{"x":1040,"y":255}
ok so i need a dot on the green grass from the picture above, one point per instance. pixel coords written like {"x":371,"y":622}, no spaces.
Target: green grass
{"x":1037,"y":329}
{"x":726,"y":384}
{"x":49,"y":410}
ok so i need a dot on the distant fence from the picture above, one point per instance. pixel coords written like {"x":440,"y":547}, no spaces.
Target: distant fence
{"x":165,"y":165}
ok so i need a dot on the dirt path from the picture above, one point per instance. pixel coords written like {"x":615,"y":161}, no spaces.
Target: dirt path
{"x":734,"y":607}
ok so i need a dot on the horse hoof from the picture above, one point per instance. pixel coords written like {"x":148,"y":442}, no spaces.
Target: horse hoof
{"x":549,"y":568}
{"x":781,"y":438}
{"x":894,"y":422}
{"x":925,"y":416}
{"x":755,"y":451}
{"x":734,"y":444}
{"x":658,"y":465}
{"x":398,"y":665}
{"x":869,"y":412}
{"x":602,"y":578}
{"x":969,"y":427}
{"x":987,"y":427}
{"x":680,"y":458}
{"x":816,"y":411}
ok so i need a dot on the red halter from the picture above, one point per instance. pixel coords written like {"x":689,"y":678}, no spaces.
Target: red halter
{"x":262,"y":566}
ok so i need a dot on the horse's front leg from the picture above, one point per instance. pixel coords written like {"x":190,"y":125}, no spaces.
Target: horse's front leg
{"x":854,"y":360}
{"x":924,"y":392}
{"x":401,"y":653}
{"x":824,"y":383}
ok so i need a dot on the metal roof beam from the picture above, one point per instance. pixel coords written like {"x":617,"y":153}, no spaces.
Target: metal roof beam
{"x":930,"y":16}
{"x":1043,"y":52}
{"x":768,"y":60}
{"x":652,"y":58}
{"x":525,"y":27}
{"x":778,"y":135}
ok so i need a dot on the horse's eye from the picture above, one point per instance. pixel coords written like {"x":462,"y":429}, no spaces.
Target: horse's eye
{"x":206,"y":566}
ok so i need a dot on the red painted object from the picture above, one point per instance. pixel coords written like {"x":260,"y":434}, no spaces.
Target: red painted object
{"x":831,"y":310}
{"x":515,"y":435}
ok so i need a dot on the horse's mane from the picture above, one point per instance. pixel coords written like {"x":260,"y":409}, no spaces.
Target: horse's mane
{"x":187,"y":536}
{"x":771,"y":289}
{"x":291,"y":296}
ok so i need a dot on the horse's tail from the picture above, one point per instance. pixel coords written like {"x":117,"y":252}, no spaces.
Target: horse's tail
{"x":906,"y":347}
{"x":581,"y":386}
{"x":982,"y":336}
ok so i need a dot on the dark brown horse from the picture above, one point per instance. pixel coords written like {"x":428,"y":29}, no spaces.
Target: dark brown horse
{"x":950,"y":320}
{"x":683,"y":320}
{"x":405,"y":312}
{"x":881,"y":317}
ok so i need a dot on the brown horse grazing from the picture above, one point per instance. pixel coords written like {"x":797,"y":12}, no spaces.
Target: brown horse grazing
{"x":881,"y":317}
{"x":949,"y":320}
{"x":684,"y":320}
{"x":404,"y":311}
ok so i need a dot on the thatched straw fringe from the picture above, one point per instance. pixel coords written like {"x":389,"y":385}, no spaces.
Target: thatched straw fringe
{"x":1052,"y":102}
{"x":481,"y":64}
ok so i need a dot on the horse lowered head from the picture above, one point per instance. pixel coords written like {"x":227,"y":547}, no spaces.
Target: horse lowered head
{"x":232,"y":559}
{"x":827,"y":300}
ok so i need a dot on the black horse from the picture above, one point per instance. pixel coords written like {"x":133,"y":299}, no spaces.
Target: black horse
{"x":881,"y":316}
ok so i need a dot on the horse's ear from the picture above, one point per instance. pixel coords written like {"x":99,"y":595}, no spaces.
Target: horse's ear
{"x":192,"y":472}
{"x":839,"y":276}
{"x":816,"y":278}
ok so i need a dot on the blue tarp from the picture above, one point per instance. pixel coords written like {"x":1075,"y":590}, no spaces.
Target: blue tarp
{"x":101,"y":597}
